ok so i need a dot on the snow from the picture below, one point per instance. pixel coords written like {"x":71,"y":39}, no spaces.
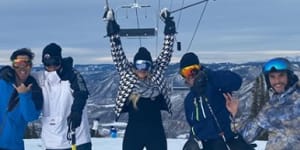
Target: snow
{"x":116,"y":144}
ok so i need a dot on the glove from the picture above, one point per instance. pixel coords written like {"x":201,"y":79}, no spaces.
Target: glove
{"x":191,"y":144}
{"x":199,"y":86}
{"x":66,"y":71}
{"x":108,"y":15}
{"x":74,"y":119}
{"x":8,"y":74}
{"x":112,"y":26}
{"x":165,"y":16}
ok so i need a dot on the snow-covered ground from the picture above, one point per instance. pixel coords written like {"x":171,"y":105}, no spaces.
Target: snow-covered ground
{"x":116,"y":144}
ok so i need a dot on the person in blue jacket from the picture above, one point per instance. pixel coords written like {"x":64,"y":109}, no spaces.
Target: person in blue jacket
{"x":21,"y":99}
{"x":204,"y":105}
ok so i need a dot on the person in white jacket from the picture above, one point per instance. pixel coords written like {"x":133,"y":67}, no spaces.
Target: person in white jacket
{"x":65,"y":96}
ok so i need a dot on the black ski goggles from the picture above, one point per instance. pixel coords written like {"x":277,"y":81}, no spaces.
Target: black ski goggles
{"x":143,"y":65}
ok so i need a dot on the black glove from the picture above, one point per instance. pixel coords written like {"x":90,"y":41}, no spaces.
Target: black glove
{"x":74,"y":119}
{"x":191,"y":144}
{"x":200,"y":82}
{"x":112,"y":26}
{"x":8,"y":74}
{"x":66,"y":70}
{"x":165,"y":16}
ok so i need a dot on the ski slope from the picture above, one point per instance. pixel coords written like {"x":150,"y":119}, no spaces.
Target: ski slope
{"x":116,"y":144}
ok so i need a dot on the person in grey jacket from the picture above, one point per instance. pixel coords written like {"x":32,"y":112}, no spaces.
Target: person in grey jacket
{"x":142,"y":89}
{"x":281,"y":114}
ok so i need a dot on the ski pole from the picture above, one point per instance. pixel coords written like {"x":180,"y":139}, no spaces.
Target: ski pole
{"x":73,"y":138}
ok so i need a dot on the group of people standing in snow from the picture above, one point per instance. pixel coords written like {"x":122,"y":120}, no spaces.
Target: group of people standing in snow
{"x":59,"y":94}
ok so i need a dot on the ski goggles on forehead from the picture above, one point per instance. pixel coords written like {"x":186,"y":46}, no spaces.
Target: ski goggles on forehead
{"x":276,"y":65}
{"x":143,"y":65}
{"x":19,"y":63}
{"x":189,"y":71}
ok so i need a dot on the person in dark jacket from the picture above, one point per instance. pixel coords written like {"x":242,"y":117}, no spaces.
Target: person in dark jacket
{"x":65,"y":94}
{"x":204,"y":105}
{"x":21,"y":99}
{"x":142,"y":91}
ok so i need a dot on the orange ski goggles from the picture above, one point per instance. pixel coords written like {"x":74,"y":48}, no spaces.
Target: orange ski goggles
{"x":189,"y":71}
{"x":21,"y":63}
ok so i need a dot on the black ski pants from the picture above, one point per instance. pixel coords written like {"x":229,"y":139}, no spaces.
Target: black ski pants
{"x":138,"y":136}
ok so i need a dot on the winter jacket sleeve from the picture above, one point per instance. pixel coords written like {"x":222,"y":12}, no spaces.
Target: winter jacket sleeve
{"x":118,"y":55}
{"x":78,"y":85}
{"x":80,"y":92}
{"x":226,"y":81}
{"x":250,"y":129}
{"x":161,"y":63}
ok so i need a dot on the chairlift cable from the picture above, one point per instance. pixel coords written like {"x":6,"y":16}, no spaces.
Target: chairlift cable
{"x":196,"y":29}
{"x":157,"y":28}
{"x":179,"y":17}
{"x":138,"y":22}
{"x":185,"y":7}
{"x":171,"y":4}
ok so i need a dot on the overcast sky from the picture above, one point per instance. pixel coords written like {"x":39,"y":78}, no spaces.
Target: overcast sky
{"x":230,"y":31}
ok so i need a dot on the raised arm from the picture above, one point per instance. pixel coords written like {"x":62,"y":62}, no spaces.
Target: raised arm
{"x":118,"y":55}
{"x":164,"y":58}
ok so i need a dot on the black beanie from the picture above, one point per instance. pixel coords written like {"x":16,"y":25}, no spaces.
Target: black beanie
{"x":189,"y":59}
{"x":52,"y":55}
{"x":142,"y":54}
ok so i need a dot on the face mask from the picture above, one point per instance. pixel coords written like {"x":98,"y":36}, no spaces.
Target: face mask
{"x":52,"y":77}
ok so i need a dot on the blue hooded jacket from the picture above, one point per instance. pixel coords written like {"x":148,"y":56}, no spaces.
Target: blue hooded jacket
{"x":197,"y":112}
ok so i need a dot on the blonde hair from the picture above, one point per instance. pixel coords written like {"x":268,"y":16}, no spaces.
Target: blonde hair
{"x":134,"y":98}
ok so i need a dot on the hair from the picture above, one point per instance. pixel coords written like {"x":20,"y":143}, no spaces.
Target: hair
{"x":134,"y":98}
{"x":22,"y":51}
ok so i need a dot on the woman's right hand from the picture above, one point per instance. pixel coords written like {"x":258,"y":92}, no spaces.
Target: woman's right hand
{"x":232,"y":103}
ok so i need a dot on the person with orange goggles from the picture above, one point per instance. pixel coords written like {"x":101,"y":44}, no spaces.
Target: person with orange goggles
{"x":205,"y":107}
{"x":21,"y":99}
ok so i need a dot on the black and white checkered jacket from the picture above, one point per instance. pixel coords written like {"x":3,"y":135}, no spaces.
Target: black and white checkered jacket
{"x":128,"y":79}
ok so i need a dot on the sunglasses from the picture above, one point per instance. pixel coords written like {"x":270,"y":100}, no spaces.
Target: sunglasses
{"x":21,"y":63}
{"x":143,"y":65}
{"x":189,"y":71}
{"x":277,"y":64}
